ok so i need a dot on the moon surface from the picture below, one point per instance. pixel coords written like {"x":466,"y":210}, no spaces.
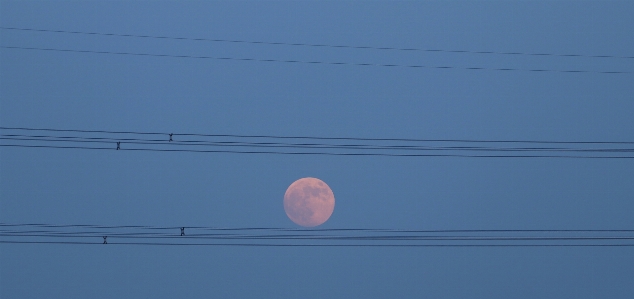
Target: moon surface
{"x":309,"y":202}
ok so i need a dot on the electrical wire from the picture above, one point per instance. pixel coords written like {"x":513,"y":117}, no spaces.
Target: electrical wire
{"x":316,"y":153}
{"x":313,"y":45}
{"x":107,"y":140}
{"x":316,"y":245}
{"x":75,"y":139}
{"x":318,"y":137}
{"x":34,"y":233}
{"x":314,"y":238}
{"x":217,"y":228}
{"x":313,"y":62}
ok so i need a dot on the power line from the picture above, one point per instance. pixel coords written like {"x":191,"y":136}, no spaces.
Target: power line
{"x":97,"y":235}
{"x":319,"y":137}
{"x":315,"y":245}
{"x":315,"y":45}
{"x":316,"y":153}
{"x":220,"y":228}
{"x":108,"y":140}
{"x":313,"y":62}
{"x":33,"y":233}
{"x":103,"y":140}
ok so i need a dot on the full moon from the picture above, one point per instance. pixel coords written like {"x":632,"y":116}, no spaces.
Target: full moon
{"x":309,"y":202}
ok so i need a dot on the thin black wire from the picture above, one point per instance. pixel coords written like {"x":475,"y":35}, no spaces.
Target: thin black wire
{"x":306,"y":238}
{"x":316,"y":153}
{"x":301,"y":234}
{"x":315,"y":45}
{"x":78,"y":139}
{"x":86,"y":226}
{"x":315,"y":245}
{"x":313,"y":62}
{"x":48,"y":225}
{"x":321,"y":238}
{"x":319,"y":137}
{"x":296,"y":234}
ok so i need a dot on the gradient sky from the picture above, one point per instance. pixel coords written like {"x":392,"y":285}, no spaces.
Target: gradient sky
{"x":129,"y":93}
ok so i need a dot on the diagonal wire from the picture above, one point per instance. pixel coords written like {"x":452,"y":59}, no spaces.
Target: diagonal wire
{"x":218,"y":228}
{"x":315,"y":237}
{"x":314,"y":245}
{"x":40,"y":233}
{"x":314,"y":62}
{"x":319,"y":137}
{"x":314,"y":45}
{"x":76,"y":139}
{"x":316,"y":153}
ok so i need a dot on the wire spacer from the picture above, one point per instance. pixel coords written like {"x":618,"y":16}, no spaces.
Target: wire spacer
{"x":171,"y":137}
{"x":118,"y":145}
{"x":182,"y":231}
{"x":104,"y":239}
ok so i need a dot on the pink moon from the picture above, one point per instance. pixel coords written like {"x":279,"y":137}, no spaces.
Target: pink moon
{"x":309,"y":202}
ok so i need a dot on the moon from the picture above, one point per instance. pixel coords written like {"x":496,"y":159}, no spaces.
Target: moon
{"x":309,"y":202}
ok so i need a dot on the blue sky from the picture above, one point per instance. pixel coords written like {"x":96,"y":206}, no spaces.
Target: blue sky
{"x":46,"y":89}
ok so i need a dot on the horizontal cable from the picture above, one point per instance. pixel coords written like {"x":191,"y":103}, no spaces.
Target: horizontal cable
{"x":316,"y":245}
{"x":318,"y":137}
{"x":316,"y":153}
{"x":24,"y":233}
{"x":408,"y":150}
{"x":48,"y":225}
{"x":76,"y":139}
{"x":313,"y":45}
{"x":313,"y":62}
{"x":322,"y":238}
